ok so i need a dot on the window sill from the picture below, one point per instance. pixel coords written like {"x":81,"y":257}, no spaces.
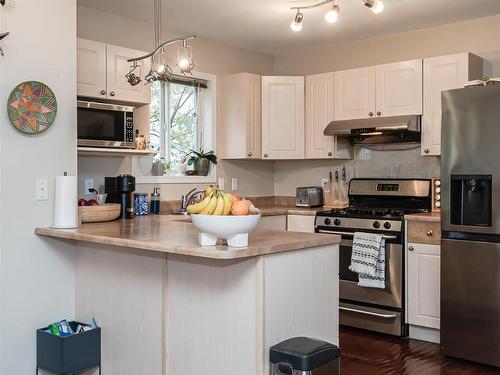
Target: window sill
{"x":175,"y":179}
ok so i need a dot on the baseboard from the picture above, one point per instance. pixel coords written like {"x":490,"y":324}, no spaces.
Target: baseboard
{"x":425,"y":334}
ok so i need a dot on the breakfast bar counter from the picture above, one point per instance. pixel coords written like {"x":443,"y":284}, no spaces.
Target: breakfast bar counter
{"x":168,"y":306}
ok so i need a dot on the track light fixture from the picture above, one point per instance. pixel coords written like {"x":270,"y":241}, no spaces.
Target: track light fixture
{"x":332,"y":15}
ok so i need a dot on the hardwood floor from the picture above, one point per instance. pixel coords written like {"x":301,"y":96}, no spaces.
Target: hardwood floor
{"x":374,"y":354}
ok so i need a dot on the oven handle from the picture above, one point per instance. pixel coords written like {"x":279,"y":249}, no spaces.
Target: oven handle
{"x":385,"y":316}
{"x":385,"y":237}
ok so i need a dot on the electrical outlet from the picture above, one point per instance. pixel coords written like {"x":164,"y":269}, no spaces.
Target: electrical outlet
{"x":221,"y":183}
{"x":234,"y":184}
{"x":42,"y":190}
{"x":89,"y":184}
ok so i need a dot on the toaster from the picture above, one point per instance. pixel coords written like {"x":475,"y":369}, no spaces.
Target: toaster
{"x":309,"y":196}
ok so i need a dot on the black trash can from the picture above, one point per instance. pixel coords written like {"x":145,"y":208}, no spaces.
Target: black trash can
{"x":304,"y":356}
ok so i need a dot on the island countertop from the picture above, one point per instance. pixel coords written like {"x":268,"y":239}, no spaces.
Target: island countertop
{"x":174,"y":235}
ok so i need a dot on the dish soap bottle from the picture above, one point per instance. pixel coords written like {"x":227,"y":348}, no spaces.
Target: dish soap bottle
{"x":155,"y":201}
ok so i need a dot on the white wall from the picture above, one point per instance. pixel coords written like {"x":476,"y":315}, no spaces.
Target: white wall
{"x":37,"y":276}
{"x":210,"y":57}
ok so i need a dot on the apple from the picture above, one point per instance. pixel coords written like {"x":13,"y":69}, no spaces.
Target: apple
{"x":82,"y":202}
{"x":236,"y":197}
{"x":92,"y":202}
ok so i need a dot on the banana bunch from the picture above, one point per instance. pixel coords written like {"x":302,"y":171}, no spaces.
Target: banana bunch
{"x":215,"y":202}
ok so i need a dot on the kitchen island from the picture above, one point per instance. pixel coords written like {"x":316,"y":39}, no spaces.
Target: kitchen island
{"x":169,"y":306}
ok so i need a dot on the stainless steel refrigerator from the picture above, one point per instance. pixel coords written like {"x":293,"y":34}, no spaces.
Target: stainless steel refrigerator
{"x":470,"y":246}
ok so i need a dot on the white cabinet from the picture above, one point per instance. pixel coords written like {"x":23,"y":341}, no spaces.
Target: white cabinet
{"x":355,"y":94}
{"x":101,"y":73}
{"x":91,"y":74}
{"x":384,"y":90}
{"x":273,"y":222}
{"x":399,"y":88}
{"x":301,"y":223}
{"x":443,"y":73}
{"x":283,"y":118}
{"x":241,"y":117}
{"x":320,"y":110}
{"x":424,"y":285}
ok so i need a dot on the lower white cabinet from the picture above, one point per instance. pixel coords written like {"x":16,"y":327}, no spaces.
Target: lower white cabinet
{"x":273,"y":222}
{"x":424,"y":285}
{"x":301,"y":223}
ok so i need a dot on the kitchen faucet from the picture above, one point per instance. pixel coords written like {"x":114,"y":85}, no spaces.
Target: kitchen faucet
{"x":189,"y":198}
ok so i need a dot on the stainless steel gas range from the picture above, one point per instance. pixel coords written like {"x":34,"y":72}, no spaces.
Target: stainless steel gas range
{"x":375,"y":206}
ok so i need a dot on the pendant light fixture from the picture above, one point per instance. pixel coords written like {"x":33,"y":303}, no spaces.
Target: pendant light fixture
{"x":332,"y":15}
{"x":160,"y":70}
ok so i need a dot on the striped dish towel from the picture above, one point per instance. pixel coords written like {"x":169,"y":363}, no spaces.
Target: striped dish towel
{"x":368,"y":259}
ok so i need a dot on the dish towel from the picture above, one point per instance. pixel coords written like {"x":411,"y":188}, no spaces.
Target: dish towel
{"x":368,"y":259}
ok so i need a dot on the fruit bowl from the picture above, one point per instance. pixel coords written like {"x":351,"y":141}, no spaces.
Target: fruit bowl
{"x":232,"y":228}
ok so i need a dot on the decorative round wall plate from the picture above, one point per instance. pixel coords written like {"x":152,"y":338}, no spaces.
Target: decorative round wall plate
{"x":32,"y":107}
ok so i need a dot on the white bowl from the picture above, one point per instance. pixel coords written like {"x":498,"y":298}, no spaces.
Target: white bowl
{"x":234,"y":229}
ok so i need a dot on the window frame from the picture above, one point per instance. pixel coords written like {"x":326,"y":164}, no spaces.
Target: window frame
{"x":208,"y":128}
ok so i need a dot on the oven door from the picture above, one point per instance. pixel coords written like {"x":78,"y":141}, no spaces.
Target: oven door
{"x":392,"y":295}
{"x":105,"y":125}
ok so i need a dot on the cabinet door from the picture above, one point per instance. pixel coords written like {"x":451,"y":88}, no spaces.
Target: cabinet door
{"x":443,"y":73}
{"x":424,"y":285}
{"x":273,"y":223}
{"x":355,"y":94}
{"x":300,"y":223}
{"x":399,"y":88}
{"x":283,"y":118}
{"x":241,"y":117}
{"x":320,"y":109}
{"x":91,"y":69}
{"x":117,"y":67}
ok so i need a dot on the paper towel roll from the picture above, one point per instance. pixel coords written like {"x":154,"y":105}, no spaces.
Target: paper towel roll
{"x":66,"y":202}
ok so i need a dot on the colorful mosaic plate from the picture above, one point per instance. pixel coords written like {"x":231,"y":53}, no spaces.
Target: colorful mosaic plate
{"x":32,"y":107}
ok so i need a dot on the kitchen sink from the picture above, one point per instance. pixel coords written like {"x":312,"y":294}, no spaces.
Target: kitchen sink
{"x":178,"y":213}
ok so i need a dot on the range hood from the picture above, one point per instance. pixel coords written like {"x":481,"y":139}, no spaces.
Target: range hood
{"x":396,"y":129}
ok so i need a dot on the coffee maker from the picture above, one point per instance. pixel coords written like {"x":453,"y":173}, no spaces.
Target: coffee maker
{"x":120,"y":190}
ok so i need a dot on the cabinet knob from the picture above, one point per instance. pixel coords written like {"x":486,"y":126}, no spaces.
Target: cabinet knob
{"x":379,"y":113}
{"x":330,"y":154}
{"x":265,"y":155}
{"x":426,"y":150}
{"x":103,"y":92}
{"x":249,"y":154}
{"x":430,"y":233}
{"x":112,"y":93}
{"x":370,"y":114}
{"x":411,"y":248}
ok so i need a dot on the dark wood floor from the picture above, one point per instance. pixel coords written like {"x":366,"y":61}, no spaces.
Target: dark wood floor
{"x":373,"y":354}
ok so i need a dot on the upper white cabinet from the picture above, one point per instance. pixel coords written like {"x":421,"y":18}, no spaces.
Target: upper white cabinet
{"x":283,"y":118}
{"x":383,"y":90}
{"x":320,"y":111}
{"x":91,"y":74}
{"x":424,"y":285}
{"x":241,"y":117}
{"x":440,"y":74}
{"x":399,"y":88}
{"x":355,"y":94}
{"x":102,"y":69}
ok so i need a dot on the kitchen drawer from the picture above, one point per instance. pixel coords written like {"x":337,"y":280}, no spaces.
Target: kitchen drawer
{"x":424,"y":232}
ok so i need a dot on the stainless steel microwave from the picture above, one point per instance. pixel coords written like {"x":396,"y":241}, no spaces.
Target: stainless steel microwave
{"x":105,"y":125}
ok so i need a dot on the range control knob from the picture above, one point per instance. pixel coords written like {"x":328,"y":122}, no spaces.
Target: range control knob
{"x":376,"y":224}
{"x":336,"y":222}
{"x":327,"y":221}
{"x":387,"y":225}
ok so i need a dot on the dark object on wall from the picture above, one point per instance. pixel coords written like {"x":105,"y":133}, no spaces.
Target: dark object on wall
{"x":70,"y":354}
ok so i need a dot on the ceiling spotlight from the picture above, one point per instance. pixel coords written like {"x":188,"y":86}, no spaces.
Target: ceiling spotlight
{"x":333,"y":14}
{"x":376,"y":6}
{"x":185,"y":58}
{"x":296,"y":25}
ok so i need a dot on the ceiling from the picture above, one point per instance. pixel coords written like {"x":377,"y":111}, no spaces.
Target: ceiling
{"x":263,"y":25}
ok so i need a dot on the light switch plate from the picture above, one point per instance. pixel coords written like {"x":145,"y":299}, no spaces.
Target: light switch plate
{"x":89,"y":184}
{"x":221,"y":183}
{"x":234,"y":184}
{"x":42,"y":190}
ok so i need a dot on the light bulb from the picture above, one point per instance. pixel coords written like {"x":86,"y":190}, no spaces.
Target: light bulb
{"x":183,"y":63}
{"x":161,"y":68}
{"x":296,"y":25}
{"x":333,"y":14}
{"x":377,"y":7}
{"x":185,"y":58}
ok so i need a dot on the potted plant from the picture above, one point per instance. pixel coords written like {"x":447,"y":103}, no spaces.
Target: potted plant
{"x":201,"y":161}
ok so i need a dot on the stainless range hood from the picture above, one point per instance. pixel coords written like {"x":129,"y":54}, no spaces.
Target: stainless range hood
{"x":396,"y":129}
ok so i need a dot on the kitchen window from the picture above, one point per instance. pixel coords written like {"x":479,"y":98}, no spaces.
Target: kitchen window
{"x":182,"y":118}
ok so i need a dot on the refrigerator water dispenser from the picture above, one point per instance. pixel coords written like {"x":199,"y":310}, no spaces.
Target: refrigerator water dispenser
{"x":471,"y":203}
